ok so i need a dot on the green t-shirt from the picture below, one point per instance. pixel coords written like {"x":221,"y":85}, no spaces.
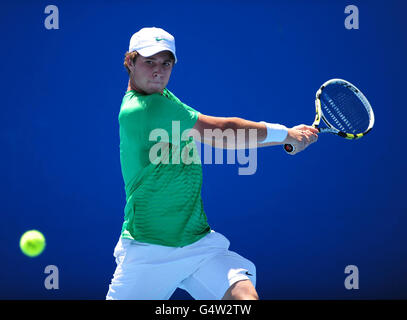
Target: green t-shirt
{"x":162,"y":171}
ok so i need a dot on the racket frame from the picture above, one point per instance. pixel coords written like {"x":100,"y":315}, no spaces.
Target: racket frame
{"x":330,"y":128}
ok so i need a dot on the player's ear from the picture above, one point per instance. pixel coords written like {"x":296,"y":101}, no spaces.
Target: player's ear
{"x":129,"y":61}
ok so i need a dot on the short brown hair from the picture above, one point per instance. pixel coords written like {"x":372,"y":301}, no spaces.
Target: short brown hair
{"x":133,"y":57}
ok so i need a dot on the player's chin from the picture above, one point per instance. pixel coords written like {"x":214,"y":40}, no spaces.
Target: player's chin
{"x":156,"y":88}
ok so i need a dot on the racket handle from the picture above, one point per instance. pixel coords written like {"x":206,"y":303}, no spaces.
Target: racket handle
{"x":289,"y":148}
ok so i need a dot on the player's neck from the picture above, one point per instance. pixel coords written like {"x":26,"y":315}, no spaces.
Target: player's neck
{"x":131,"y":86}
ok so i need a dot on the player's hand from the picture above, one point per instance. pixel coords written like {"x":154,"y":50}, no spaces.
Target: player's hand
{"x":301,"y":137}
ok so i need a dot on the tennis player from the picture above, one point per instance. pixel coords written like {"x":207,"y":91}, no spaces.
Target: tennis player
{"x":166,"y":242}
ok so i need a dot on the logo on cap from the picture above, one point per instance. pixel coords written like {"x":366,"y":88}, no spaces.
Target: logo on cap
{"x":159,"y":39}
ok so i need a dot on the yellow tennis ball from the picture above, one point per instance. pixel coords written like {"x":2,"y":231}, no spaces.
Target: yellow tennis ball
{"x":32,"y":243}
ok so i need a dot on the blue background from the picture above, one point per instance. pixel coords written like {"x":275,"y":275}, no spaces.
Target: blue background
{"x":300,"y":219}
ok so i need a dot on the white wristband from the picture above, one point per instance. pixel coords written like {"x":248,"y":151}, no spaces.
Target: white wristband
{"x":275,"y":132}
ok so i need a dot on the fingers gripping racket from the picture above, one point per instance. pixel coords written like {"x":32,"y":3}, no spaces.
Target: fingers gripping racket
{"x":343,"y":108}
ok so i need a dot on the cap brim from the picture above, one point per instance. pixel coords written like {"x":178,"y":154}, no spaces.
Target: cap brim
{"x":150,"y":51}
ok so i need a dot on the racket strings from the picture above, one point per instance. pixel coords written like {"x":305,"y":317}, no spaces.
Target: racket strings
{"x":343,"y":109}
{"x":350,"y":118}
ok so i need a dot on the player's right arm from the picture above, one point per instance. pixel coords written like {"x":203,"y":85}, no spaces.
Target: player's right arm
{"x":217,"y":132}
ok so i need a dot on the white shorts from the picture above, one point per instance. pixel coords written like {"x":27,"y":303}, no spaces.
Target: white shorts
{"x":205,"y":269}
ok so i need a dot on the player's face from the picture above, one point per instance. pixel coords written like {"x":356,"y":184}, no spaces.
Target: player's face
{"x":151,"y":74}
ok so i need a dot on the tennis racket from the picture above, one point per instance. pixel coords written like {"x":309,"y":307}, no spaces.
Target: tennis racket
{"x":343,"y":108}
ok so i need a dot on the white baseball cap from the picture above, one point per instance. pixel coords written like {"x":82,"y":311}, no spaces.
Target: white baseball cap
{"x":149,"y":41}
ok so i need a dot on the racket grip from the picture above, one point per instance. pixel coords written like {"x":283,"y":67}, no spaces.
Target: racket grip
{"x":289,"y":148}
